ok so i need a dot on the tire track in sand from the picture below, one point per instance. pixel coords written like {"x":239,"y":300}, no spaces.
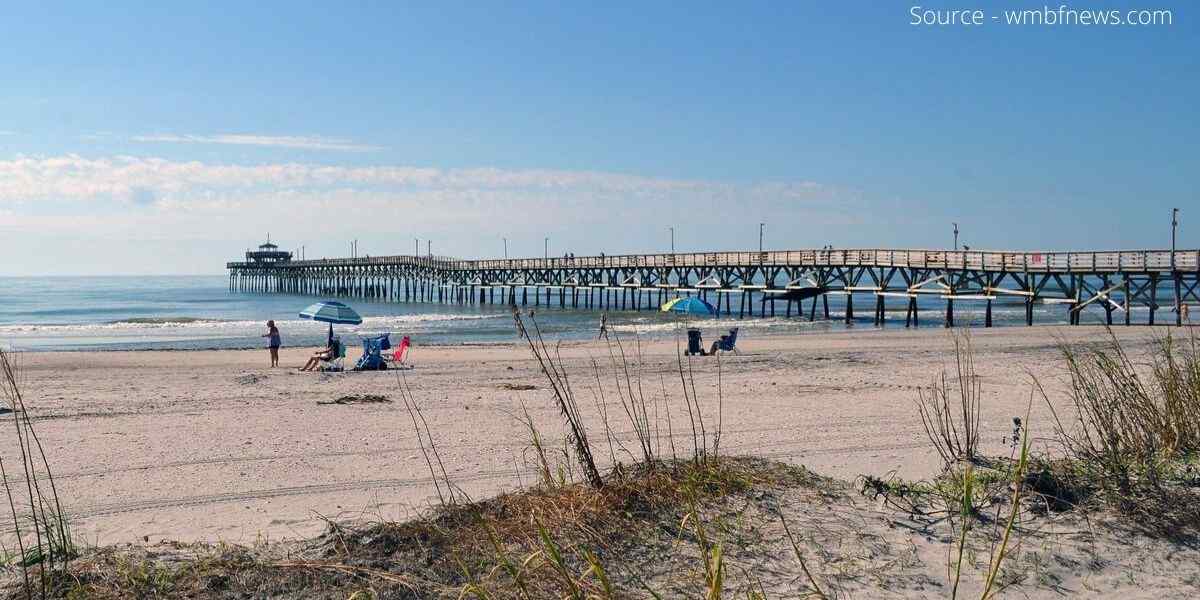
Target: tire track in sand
{"x":100,"y":510}
{"x":301,"y":490}
{"x":623,"y":435}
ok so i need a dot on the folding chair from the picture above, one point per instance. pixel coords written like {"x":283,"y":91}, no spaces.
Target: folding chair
{"x":397,"y":356}
{"x":338,"y":362}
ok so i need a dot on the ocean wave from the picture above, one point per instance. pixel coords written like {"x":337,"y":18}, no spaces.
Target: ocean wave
{"x":164,"y":321}
{"x":118,"y":326}
{"x":428,"y":318}
{"x":646,"y":327}
{"x":208,"y":324}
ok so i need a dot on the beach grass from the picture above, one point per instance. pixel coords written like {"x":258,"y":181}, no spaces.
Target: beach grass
{"x":574,"y":541}
{"x":41,"y":529}
{"x":1133,"y":438}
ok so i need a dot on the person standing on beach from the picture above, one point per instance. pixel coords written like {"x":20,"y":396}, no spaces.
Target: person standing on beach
{"x":603,"y":326}
{"x":274,"y":343}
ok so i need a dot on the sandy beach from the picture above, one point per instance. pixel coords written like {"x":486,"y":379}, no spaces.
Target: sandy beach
{"x":214,"y":445}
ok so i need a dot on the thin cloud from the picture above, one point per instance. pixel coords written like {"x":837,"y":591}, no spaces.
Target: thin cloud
{"x":273,"y":141}
{"x":81,"y":178}
{"x":125,"y":197}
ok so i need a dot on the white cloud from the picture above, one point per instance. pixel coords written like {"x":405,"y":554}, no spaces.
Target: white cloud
{"x":73,"y":177}
{"x":126,"y":199}
{"x":276,"y":141}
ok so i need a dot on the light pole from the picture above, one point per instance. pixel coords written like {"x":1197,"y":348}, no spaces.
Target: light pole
{"x":416,"y":247}
{"x":429,"y":248}
{"x":1174,"y":226}
{"x":505,"y":248}
{"x":955,"y":235}
{"x":760,"y":236}
{"x":547,"y":248}
{"x":672,"y":240}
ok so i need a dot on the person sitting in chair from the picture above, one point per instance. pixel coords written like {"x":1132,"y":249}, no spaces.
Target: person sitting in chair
{"x":325,"y":354}
{"x":727,"y":343}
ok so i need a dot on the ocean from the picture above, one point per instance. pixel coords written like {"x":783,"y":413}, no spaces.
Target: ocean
{"x":199,"y":312}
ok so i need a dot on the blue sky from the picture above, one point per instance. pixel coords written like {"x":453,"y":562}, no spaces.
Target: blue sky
{"x":165,"y":139}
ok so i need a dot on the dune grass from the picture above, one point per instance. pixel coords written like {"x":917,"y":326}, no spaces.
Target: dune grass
{"x":949,"y":407}
{"x":44,"y":544}
{"x":1132,"y":438}
{"x":573,"y":541}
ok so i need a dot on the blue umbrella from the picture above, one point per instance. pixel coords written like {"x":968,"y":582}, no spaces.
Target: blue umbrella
{"x":690,"y":305}
{"x":331,"y":312}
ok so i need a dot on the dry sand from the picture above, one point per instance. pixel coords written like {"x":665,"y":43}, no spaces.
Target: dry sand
{"x":216,"y":446}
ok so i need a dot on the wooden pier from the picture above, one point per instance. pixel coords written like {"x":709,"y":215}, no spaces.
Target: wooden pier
{"x":1112,"y":282}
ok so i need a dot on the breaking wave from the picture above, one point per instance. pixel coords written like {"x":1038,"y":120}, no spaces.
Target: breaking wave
{"x":200,"y":324}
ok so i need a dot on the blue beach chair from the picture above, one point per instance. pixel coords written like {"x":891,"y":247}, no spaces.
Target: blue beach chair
{"x":372,"y":357}
{"x":727,"y":343}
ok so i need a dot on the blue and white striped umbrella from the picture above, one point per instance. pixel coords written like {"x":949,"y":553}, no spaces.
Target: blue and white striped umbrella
{"x":331,"y":312}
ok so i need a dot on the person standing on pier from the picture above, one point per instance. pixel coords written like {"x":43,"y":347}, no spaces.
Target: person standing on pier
{"x":274,"y":343}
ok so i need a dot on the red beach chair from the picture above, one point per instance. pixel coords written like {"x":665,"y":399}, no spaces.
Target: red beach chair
{"x":398,"y":355}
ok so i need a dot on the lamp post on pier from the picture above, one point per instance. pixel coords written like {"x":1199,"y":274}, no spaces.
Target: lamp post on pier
{"x":672,"y":240}
{"x":547,"y":244}
{"x":505,"y":248}
{"x":760,"y":237}
{"x":955,"y":235}
{"x":1174,"y":226}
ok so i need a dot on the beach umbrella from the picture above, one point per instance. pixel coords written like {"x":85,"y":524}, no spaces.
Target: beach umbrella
{"x":332,"y":313}
{"x":690,"y":305}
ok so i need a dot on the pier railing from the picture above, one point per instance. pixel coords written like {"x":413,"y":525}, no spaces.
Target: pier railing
{"x":1051,"y":262}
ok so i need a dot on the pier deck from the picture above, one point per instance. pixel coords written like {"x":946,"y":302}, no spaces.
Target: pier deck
{"x":1110,"y":281}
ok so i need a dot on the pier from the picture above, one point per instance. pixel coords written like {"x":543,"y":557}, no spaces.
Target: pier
{"x":1111,"y":283}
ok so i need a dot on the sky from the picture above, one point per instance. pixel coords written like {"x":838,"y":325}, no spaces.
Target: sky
{"x":166,"y":138}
